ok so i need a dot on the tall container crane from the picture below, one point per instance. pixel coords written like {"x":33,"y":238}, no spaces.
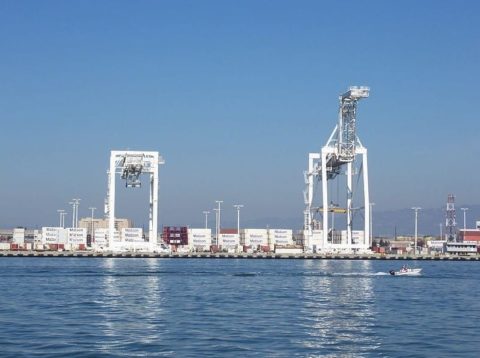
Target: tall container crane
{"x":340,"y":153}
{"x":130,"y":165}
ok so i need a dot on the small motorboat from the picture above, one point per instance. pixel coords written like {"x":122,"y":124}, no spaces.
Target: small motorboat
{"x":406,"y":271}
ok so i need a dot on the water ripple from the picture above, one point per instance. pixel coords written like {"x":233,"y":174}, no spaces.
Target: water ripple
{"x":229,"y":308}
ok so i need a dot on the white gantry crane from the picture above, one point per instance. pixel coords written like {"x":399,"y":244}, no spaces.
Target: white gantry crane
{"x":130,"y":165}
{"x":340,"y":153}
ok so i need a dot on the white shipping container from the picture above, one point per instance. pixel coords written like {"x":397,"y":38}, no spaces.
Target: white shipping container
{"x":358,"y":236}
{"x":132,"y":234}
{"x":18,"y":235}
{"x":116,"y":236}
{"x":315,"y":240}
{"x":37,"y":236}
{"x":254,"y":237}
{"x":4,"y":246}
{"x":77,"y":236}
{"x":100,"y":236}
{"x":229,"y":241}
{"x":280,"y":236}
{"x":254,"y":231}
{"x":51,"y":235}
{"x":63,"y":236}
{"x":199,"y":238}
{"x":317,"y":236}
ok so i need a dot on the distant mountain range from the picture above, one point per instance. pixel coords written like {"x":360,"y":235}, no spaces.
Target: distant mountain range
{"x":387,"y":223}
{"x":429,"y":220}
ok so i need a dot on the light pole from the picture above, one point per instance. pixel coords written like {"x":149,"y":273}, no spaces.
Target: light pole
{"x":63,"y":219}
{"x":238,"y":206}
{"x":416,"y":226}
{"x":216,"y":223}
{"x":60,"y":213}
{"x":77,"y":203}
{"x":464,"y":219}
{"x":73,"y":212}
{"x":91,"y":225}
{"x":219,"y":202}
{"x":206,"y":218}
{"x":371,"y":223}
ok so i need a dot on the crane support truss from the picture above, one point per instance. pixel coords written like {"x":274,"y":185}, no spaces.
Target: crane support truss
{"x":130,"y":165}
{"x":338,"y":156}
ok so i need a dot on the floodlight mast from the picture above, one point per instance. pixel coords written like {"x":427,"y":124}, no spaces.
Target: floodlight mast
{"x":341,"y":149}
{"x":130,"y":165}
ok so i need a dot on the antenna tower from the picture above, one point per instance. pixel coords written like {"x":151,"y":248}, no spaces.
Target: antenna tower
{"x":451,"y":223}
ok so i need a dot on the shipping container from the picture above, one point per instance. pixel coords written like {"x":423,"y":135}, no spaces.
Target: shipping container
{"x":175,"y":235}
{"x":265,"y":248}
{"x":289,"y":250}
{"x":247,"y":249}
{"x":254,"y":237}
{"x":280,"y":237}
{"x":76,"y":236}
{"x":37,"y":236}
{"x":199,"y":239}
{"x":228,"y":231}
{"x":53,"y":247}
{"x":132,"y":235}
{"x":18,"y":235}
{"x":229,"y":241}
{"x":51,"y":235}
{"x":100,"y":237}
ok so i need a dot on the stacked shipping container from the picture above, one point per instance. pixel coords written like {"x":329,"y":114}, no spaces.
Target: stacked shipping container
{"x":199,"y":239}
{"x":175,"y":236}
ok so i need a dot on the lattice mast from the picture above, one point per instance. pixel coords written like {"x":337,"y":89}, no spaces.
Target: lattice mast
{"x":450,"y":221}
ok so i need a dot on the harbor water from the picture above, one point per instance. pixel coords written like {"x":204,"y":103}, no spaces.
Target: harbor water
{"x":110,"y":307}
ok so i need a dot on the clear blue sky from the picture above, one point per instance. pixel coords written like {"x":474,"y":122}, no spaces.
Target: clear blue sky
{"x":233,"y":94}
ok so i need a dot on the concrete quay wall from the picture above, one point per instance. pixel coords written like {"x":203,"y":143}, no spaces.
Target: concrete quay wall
{"x":204,"y":255}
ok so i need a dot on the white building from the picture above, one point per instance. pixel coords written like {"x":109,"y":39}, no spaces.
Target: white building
{"x":461,"y":248}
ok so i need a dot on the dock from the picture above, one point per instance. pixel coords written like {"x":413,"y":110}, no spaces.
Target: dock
{"x":224,"y":255}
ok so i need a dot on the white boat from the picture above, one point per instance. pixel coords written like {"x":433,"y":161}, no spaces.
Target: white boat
{"x":406,"y":271}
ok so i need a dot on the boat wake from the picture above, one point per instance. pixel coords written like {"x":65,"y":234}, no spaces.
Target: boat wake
{"x":362,"y":274}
